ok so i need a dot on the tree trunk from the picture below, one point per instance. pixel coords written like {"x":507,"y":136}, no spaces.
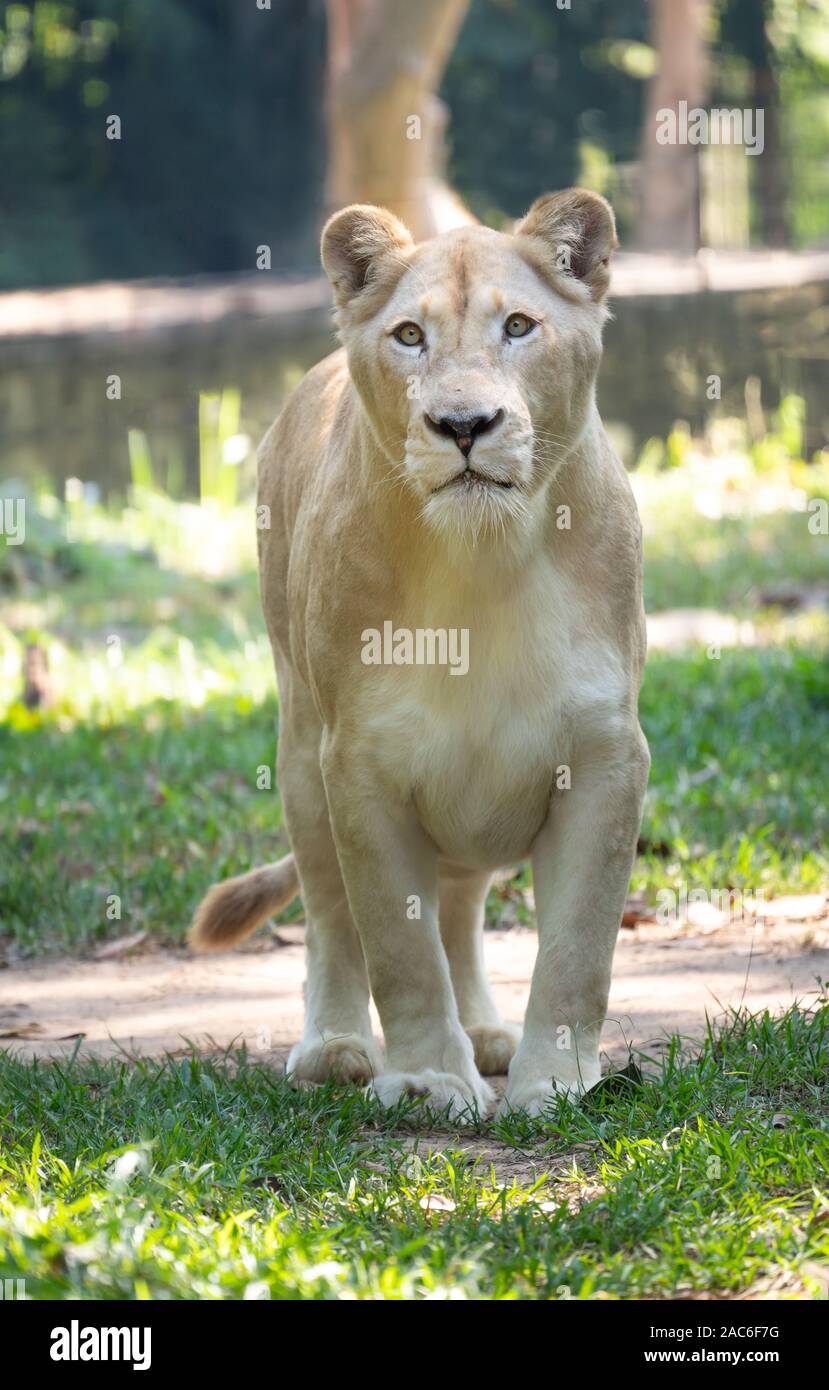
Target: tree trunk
{"x":385,"y":120}
{"x":669,"y":206}
{"x":771,"y":182}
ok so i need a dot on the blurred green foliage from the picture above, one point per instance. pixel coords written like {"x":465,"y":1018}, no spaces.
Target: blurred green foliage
{"x":538,"y":93}
{"x":222,"y":143}
{"x":543,"y":97}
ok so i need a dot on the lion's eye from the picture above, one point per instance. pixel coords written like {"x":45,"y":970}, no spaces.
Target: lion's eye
{"x":518,"y":326}
{"x":409,"y":334}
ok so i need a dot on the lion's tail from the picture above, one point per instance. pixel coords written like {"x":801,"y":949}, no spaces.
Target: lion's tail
{"x":235,"y":908}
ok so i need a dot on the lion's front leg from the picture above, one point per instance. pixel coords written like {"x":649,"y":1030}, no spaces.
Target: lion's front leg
{"x":582,"y":861}
{"x":390,"y":872}
{"x":462,"y":902}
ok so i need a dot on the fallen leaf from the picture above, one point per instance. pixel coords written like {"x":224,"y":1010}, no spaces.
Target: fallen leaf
{"x":112,"y":949}
{"x":619,"y":1081}
{"x":23,"y":1030}
{"x":435,"y":1201}
{"x":635,"y":909}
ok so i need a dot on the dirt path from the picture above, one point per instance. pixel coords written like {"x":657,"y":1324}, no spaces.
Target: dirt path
{"x":666,"y":979}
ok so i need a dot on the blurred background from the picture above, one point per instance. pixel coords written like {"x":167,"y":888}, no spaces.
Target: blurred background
{"x":166,"y":167}
{"x":241,"y":124}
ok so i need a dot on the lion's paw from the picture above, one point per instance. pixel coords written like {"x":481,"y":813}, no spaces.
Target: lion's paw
{"x":464,"y":1102}
{"x":494,"y":1047}
{"x":540,"y":1097}
{"x":348,"y":1057}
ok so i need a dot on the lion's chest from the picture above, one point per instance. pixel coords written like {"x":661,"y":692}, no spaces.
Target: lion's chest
{"x":479,"y":753}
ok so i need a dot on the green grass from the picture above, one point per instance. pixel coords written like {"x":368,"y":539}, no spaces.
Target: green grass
{"x":213,"y":1179}
{"x":149,"y":811}
{"x":737,"y":793}
{"x":761,"y":546}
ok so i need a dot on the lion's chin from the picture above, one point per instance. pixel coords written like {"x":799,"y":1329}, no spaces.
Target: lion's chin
{"x":471,"y":508}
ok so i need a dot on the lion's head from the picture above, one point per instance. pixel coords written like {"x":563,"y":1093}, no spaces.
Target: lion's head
{"x":475,"y":354}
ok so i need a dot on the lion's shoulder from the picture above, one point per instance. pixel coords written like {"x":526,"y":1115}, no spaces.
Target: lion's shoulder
{"x":307,"y":419}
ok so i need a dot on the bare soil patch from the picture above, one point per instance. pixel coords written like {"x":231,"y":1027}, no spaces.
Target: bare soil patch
{"x":667,"y":979}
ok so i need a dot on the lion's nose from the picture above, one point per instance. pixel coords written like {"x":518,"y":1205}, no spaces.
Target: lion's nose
{"x":465,"y":429}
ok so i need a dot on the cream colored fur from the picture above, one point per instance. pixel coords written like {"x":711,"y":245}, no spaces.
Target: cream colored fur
{"x":404,"y":786}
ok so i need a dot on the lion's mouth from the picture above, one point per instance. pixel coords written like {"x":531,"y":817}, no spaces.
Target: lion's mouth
{"x":470,"y":478}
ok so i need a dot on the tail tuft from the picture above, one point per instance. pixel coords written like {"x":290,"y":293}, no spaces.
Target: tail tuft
{"x":235,"y":908}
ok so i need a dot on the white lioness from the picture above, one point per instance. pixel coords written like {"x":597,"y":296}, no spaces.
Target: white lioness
{"x":449,"y":472}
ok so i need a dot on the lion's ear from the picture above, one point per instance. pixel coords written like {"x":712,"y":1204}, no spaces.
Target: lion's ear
{"x":578,"y":228}
{"x":357,"y":244}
